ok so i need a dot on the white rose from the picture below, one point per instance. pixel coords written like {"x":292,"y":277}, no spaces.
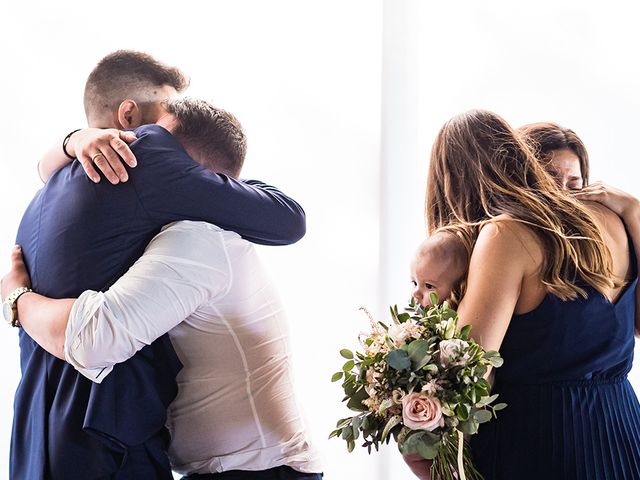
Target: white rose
{"x":450,"y":349}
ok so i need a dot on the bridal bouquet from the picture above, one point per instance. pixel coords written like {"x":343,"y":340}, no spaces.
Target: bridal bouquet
{"x":421,"y":381}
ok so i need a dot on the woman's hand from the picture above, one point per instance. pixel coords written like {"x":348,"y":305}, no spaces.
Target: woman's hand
{"x":104,"y":149}
{"x":419,"y":466}
{"x":17,"y":276}
{"x":613,"y":198}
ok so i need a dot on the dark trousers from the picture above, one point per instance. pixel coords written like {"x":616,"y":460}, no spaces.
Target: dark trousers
{"x":277,"y":473}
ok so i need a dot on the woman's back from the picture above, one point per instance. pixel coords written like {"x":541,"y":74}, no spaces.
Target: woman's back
{"x":613,"y":231}
{"x":571,"y":412}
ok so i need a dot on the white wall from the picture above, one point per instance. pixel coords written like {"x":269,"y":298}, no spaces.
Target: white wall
{"x":325,"y":90}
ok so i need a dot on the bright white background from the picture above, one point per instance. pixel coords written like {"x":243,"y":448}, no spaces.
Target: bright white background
{"x":341,"y":101}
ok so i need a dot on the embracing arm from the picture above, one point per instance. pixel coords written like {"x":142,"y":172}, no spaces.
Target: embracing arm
{"x":171,"y":187}
{"x":498,"y":266}
{"x":87,"y":143}
{"x":44,"y":319}
{"x":627,"y":207}
{"x":258,"y":212}
{"x":181,"y":269}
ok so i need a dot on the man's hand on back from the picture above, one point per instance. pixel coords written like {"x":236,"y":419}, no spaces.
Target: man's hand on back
{"x":104,"y":149}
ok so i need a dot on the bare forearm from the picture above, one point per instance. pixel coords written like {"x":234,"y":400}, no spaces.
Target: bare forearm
{"x":45,"y":320}
{"x":52,"y":161}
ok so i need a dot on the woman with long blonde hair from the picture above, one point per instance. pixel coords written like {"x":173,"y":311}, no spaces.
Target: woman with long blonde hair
{"x":552,"y":286}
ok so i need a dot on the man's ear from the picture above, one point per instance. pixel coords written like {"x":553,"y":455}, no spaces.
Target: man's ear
{"x":128,"y":115}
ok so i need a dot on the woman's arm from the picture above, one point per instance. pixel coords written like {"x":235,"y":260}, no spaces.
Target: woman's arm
{"x":500,"y":261}
{"x":627,"y":207}
{"x":105,"y":149}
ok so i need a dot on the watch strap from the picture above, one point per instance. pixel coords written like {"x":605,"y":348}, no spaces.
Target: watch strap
{"x":12,"y":300}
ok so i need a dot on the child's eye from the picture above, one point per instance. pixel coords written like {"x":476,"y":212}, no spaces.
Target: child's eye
{"x":429,"y":286}
{"x":413,"y":282}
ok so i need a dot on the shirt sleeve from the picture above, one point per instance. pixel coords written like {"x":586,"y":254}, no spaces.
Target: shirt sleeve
{"x":183,"y":267}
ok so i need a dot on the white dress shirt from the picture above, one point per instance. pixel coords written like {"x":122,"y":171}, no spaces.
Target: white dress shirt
{"x":236,"y":408}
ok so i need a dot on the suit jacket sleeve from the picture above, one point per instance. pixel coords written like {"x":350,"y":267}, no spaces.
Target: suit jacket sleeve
{"x":171,"y":187}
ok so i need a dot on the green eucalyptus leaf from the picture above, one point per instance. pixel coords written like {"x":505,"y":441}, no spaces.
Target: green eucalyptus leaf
{"x":433,"y":298}
{"x":355,"y":402}
{"x":470,"y":427}
{"x":398,"y":360}
{"x":425,"y":444}
{"x":499,"y":406}
{"x":492,"y":398}
{"x":337,"y":376}
{"x":428,"y":452}
{"x":482,"y":416}
{"x":357,"y":422}
{"x":349,"y":364}
{"x":347,"y":434}
{"x":346,"y":353}
{"x":465,"y":332}
{"x":497,"y":361}
{"x":349,"y":386}
{"x":418,"y":350}
{"x":462,"y":411}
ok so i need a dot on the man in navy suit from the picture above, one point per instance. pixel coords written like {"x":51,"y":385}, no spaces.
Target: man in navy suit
{"x":78,"y":234}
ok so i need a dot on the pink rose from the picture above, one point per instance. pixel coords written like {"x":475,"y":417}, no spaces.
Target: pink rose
{"x":421,"y":412}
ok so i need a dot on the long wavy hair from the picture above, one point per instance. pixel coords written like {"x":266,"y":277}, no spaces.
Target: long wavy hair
{"x":481,"y":168}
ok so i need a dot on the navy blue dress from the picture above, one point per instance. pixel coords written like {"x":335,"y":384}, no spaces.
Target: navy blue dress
{"x":572,"y":414}
{"x":77,"y":235}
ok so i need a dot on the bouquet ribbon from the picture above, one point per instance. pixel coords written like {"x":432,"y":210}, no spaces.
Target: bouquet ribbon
{"x":460,"y":455}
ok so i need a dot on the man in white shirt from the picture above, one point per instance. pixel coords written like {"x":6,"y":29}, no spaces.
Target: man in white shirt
{"x":235,"y":415}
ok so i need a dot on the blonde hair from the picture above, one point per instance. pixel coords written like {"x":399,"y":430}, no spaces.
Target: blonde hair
{"x":481,"y":168}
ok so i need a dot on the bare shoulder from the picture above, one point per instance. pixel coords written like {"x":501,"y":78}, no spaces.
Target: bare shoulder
{"x":607,"y":221}
{"x":615,"y":238}
{"x":511,"y":238}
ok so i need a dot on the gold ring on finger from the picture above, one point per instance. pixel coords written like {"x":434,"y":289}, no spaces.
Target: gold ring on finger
{"x":99,"y":154}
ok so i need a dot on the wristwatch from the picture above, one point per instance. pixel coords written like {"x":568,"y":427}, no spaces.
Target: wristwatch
{"x":10,"y":307}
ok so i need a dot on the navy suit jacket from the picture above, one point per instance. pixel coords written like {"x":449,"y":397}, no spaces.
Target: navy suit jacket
{"x":77,"y":235}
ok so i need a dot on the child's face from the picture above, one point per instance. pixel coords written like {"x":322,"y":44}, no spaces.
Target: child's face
{"x":431,"y":274}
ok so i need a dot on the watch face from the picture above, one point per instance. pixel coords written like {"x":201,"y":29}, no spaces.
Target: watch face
{"x":7,"y":312}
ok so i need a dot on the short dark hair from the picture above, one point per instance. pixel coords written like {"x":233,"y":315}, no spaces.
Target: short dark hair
{"x":546,"y":137}
{"x":127,"y":74}
{"x":215,"y":135}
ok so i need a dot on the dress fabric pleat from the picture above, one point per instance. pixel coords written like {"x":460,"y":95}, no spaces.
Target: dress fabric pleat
{"x":572,"y":414}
